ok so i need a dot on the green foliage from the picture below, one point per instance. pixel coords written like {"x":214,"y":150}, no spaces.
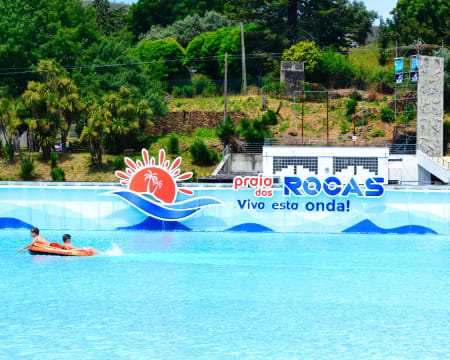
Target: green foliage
{"x":387,"y":115}
{"x":447,"y":129}
{"x":52,"y":104}
{"x":203,"y":85}
{"x":256,"y":130}
{"x":408,"y":113}
{"x":202,"y":155}
{"x":211,"y":45}
{"x":344,"y":127}
{"x":43,"y":29}
{"x":145,"y":13}
{"x":96,"y":81}
{"x":173,"y":146}
{"x":118,"y":163}
{"x":383,"y":37}
{"x":306,"y":51}
{"x":351,"y":105}
{"x":191,"y":26}
{"x":226,"y":131}
{"x":162,"y":55}
{"x":188,"y":90}
{"x":58,"y":174}
{"x":10,"y":122}
{"x":110,"y":20}
{"x":327,"y":22}
{"x":424,"y":19}
{"x":27,"y":168}
{"x":54,"y":160}
{"x":205,"y":133}
{"x":335,"y":70}
{"x":447,"y":79}
{"x":270,"y":118}
{"x":378,"y":133}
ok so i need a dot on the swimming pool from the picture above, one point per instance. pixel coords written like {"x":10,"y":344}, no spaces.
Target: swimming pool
{"x":184,"y":295}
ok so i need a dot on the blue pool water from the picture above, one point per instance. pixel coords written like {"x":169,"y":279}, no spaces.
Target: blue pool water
{"x":227,"y":296}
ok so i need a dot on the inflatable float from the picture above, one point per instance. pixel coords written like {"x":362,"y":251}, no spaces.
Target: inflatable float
{"x":55,"y":249}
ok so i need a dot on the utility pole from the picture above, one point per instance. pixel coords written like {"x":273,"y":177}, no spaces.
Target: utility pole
{"x":244,"y":70}
{"x":225,"y":89}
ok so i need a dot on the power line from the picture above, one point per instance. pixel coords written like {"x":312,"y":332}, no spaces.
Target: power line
{"x":197,"y":60}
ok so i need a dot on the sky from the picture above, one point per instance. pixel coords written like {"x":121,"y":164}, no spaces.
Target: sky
{"x":382,"y":7}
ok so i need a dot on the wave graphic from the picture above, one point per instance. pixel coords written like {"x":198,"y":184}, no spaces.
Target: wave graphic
{"x":168,"y":212}
{"x":368,"y":227}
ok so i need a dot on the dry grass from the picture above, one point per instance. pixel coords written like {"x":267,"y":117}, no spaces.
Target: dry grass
{"x":77,"y":167}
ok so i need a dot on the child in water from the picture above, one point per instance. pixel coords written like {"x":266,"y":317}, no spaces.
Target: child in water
{"x":68,"y":246}
{"x":36,"y":240}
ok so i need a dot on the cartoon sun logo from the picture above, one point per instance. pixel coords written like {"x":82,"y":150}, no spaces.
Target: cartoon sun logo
{"x":158,"y":180}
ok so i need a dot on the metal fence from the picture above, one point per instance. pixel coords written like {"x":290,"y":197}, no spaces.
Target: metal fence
{"x":435,"y":157}
{"x":331,"y":141}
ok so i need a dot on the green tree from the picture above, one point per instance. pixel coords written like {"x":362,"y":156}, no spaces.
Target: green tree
{"x":42,"y":29}
{"x":164,"y":58}
{"x":99,"y":80}
{"x":109,"y":20}
{"x":10,"y":123}
{"x":146,"y":13}
{"x":334,"y":22}
{"x":306,"y":51}
{"x":226,"y":131}
{"x":54,"y":103}
{"x":205,"y":53}
{"x":383,"y":37}
{"x":184,"y":30}
{"x":95,"y":131}
{"x":428,"y":20}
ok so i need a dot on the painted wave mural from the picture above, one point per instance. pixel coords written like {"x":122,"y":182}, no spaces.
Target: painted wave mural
{"x":167,"y":212}
{"x":218,"y":209}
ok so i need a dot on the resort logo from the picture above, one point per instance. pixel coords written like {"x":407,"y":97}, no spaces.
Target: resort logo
{"x":311,"y":186}
{"x":151,"y":187}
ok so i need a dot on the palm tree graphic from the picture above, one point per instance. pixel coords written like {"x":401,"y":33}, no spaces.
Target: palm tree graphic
{"x":153,"y":183}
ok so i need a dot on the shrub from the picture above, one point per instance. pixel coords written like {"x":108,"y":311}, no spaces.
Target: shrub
{"x":53,"y":160}
{"x":200,"y":83}
{"x":201,"y":154}
{"x":344,"y":127}
{"x":226,"y":131}
{"x":176,"y":91}
{"x":210,"y":90}
{"x":27,"y":169}
{"x":270,"y":118}
{"x":118,"y":163}
{"x":1,"y":147}
{"x":173,"y":146}
{"x":253,"y":131}
{"x":387,"y":115}
{"x":351,"y":105}
{"x":378,"y":133}
{"x":58,"y":174}
{"x":188,"y":90}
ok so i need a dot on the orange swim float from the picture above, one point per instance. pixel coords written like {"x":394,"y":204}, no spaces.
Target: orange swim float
{"x":52,"y":249}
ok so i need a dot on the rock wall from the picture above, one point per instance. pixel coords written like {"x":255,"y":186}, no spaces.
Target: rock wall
{"x":430,"y":104}
{"x":186,"y":122}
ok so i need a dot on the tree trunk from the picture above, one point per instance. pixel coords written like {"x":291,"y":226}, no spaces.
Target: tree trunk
{"x":10,"y":144}
{"x":292,"y":21}
{"x":99,"y":158}
{"x":46,"y":151}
